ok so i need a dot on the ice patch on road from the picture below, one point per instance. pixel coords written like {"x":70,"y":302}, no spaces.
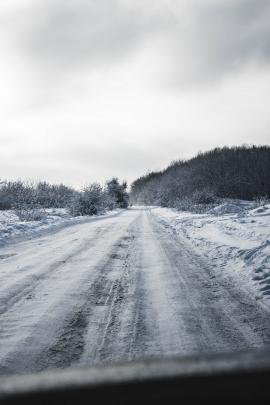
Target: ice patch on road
{"x":235,"y":235}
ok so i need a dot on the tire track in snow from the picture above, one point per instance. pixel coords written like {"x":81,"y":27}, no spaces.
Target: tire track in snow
{"x":135,"y":291}
{"x":104,"y":292}
{"x":229,"y":319}
{"x":23,"y":289}
{"x":30,"y":327}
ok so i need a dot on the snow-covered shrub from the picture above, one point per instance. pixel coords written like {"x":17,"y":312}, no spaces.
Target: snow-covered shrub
{"x":28,"y":213}
{"x":25,"y":202}
{"x":117,"y":195}
{"x":74,"y":205}
{"x":183,"y":204}
{"x":203,"y":197}
{"x":261,"y":201}
{"x":5,"y":203}
{"x":53,"y":195}
{"x":199,"y":201}
{"x":29,"y":200}
{"x":91,"y":201}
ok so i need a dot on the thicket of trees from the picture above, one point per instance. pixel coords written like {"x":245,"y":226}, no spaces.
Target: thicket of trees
{"x":94,"y":198}
{"x":30,"y":200}
{"x":237,"y":172}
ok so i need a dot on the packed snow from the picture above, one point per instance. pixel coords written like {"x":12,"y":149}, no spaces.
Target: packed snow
{"x":127,"y":287}
{"x":234,"y":235}
{"x":54,"y":219}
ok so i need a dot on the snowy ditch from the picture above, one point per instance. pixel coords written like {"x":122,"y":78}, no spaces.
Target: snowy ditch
{"x":235,"y":236}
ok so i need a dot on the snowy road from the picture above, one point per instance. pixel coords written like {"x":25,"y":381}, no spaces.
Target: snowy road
{"x":114,"y":289}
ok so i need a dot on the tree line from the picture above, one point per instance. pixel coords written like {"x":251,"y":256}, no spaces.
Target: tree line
{"x":30,"y":200}
{"x":230,"y":172}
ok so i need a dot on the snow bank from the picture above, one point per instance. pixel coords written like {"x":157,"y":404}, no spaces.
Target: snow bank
{"x":235,"y":236}
{"x":11,"y":228}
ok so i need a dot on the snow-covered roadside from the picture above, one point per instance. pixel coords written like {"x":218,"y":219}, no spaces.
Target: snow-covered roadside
{"x":11,"y":228}
{"x":235,"y":236}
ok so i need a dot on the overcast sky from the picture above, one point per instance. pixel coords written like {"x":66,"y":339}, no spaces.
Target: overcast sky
{"x":95,"y":88}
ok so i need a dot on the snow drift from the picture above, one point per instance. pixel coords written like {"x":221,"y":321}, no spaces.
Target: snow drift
{"x":11,"y":228}
{"x":234,"y":235}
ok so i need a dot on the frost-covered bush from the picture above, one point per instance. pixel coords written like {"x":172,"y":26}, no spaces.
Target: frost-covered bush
{"x":94,"y":199}
{"x":90,"y":201}
{"x":25,"y":202}
{"x":117,"y":195}
{"x":30,"y":201}
{"x":261,"y":201}
{"x":5,"y":202}
{"x":183,"y":204}
{"x":74,"y":205}
{"x":28,"y":213}
{"x":204,"y":196}
{"x":53,"y":195}
{"x":15,"y":193}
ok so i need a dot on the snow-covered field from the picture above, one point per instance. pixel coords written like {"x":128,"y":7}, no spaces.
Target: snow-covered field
{"x":235,"y":236}
{"x":54,"y":219}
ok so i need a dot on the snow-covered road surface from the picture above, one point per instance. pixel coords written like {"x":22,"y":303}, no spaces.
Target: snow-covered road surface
{"x":117,"y":289}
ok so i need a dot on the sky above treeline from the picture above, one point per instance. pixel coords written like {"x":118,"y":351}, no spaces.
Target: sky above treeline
{"x":95,"y":88}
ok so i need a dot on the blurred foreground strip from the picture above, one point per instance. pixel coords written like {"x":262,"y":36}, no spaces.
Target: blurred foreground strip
{"x":241,"y":378}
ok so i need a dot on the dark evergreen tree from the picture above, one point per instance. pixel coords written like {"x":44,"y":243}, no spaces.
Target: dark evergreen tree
{"x":117,"y":192}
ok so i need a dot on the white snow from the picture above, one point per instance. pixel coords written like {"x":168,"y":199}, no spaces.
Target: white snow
{"x":127,"y":287}
{"x":235,"y":236}
{"x":12,"y":228}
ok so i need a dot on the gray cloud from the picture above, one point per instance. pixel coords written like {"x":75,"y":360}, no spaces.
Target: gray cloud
{"x":204,"y":40}
{"x":219,"y":38}
{"x":70,"y":34}
{"x":239,"y":31}
{"x":82,"y":93}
